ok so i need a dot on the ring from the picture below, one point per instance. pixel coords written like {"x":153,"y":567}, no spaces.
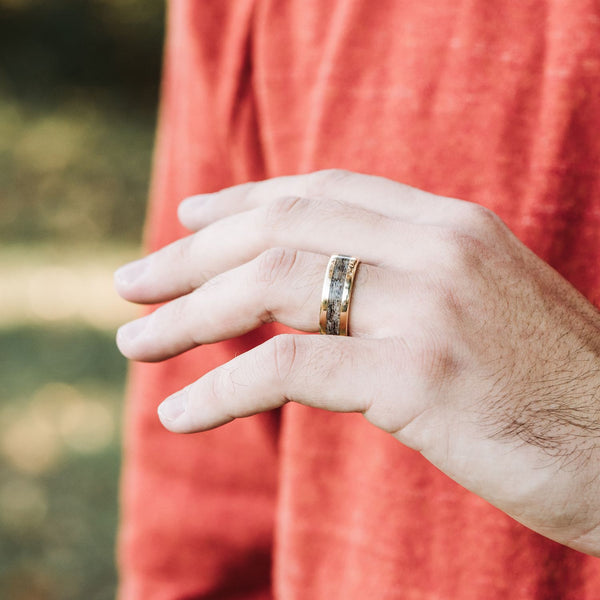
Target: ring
{"x":335,"y":299}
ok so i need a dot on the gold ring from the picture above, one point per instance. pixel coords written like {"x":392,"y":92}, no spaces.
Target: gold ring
{"x":337,"y":290}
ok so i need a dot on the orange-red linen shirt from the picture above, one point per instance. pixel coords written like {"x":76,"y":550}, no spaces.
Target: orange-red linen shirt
{"x":497,"y":102}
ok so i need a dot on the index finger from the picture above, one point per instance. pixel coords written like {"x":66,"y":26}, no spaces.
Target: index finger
{"x":377,"y":194}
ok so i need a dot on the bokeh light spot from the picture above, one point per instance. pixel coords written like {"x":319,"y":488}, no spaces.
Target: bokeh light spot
{"x":87,"y":426}
{"x":31,"y":444}
{"x":53,"y":292}
{"x":84,"y":424}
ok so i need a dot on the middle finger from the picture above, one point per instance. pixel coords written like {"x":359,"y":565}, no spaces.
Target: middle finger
{"x":317,"y":226}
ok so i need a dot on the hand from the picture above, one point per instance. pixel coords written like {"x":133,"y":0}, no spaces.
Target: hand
{"x":464,"y":345}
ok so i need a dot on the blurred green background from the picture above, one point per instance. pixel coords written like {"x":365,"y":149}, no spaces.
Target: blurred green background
{"x":78,"y":95}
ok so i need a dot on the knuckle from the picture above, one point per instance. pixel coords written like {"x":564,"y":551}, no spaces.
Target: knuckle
{"x":180,"y":252}
{"x":478,"y":219}
{"x":222,"y":386}
{"x":181,"y":257}
{"x":178,"y":311}
{"x":434,"y":358}
{"x":461,"y":251}
{"x":454,"y":310}
{"x":285,"y":349}
{"x":209,"y":283}
{"x":275,"y":264}
{"x":280,"y":212}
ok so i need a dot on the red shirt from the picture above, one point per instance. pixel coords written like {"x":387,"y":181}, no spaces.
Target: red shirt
{"x":494,"y":102}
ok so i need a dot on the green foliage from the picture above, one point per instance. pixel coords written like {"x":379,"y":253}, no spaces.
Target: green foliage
{"x":77,"y":173}
{"x":111,"y":47}
{"x":78,"y":91}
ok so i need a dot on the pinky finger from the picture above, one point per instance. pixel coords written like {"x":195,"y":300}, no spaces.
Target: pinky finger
{"x":333,"y":373}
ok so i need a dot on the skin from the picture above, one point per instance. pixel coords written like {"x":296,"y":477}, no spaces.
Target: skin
{"x":463,"y":344}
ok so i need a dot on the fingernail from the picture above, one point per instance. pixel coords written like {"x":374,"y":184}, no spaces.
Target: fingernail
{"x":129,"y":273}
{"x":130,"y":331}
{"x":173,"y":407}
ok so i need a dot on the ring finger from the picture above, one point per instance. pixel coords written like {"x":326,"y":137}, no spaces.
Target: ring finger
{"x":281,"y":285}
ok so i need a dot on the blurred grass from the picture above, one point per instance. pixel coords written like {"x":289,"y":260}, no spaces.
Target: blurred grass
{"x":78,"y":93}
{"x":60,"y":420}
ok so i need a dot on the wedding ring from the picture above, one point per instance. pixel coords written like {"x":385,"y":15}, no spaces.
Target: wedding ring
{"x":337,"y":290}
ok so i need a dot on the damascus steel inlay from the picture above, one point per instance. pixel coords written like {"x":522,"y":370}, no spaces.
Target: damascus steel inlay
{"x":336,"y":288}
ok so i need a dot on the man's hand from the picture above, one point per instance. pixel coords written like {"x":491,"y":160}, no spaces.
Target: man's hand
{"x":463,"y":344}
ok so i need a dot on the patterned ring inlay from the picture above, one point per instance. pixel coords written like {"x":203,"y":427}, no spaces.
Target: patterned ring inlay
{"x":335,"y":299}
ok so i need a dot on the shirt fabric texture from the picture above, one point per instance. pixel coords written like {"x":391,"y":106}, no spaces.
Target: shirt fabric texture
{"x":492,"y":102}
